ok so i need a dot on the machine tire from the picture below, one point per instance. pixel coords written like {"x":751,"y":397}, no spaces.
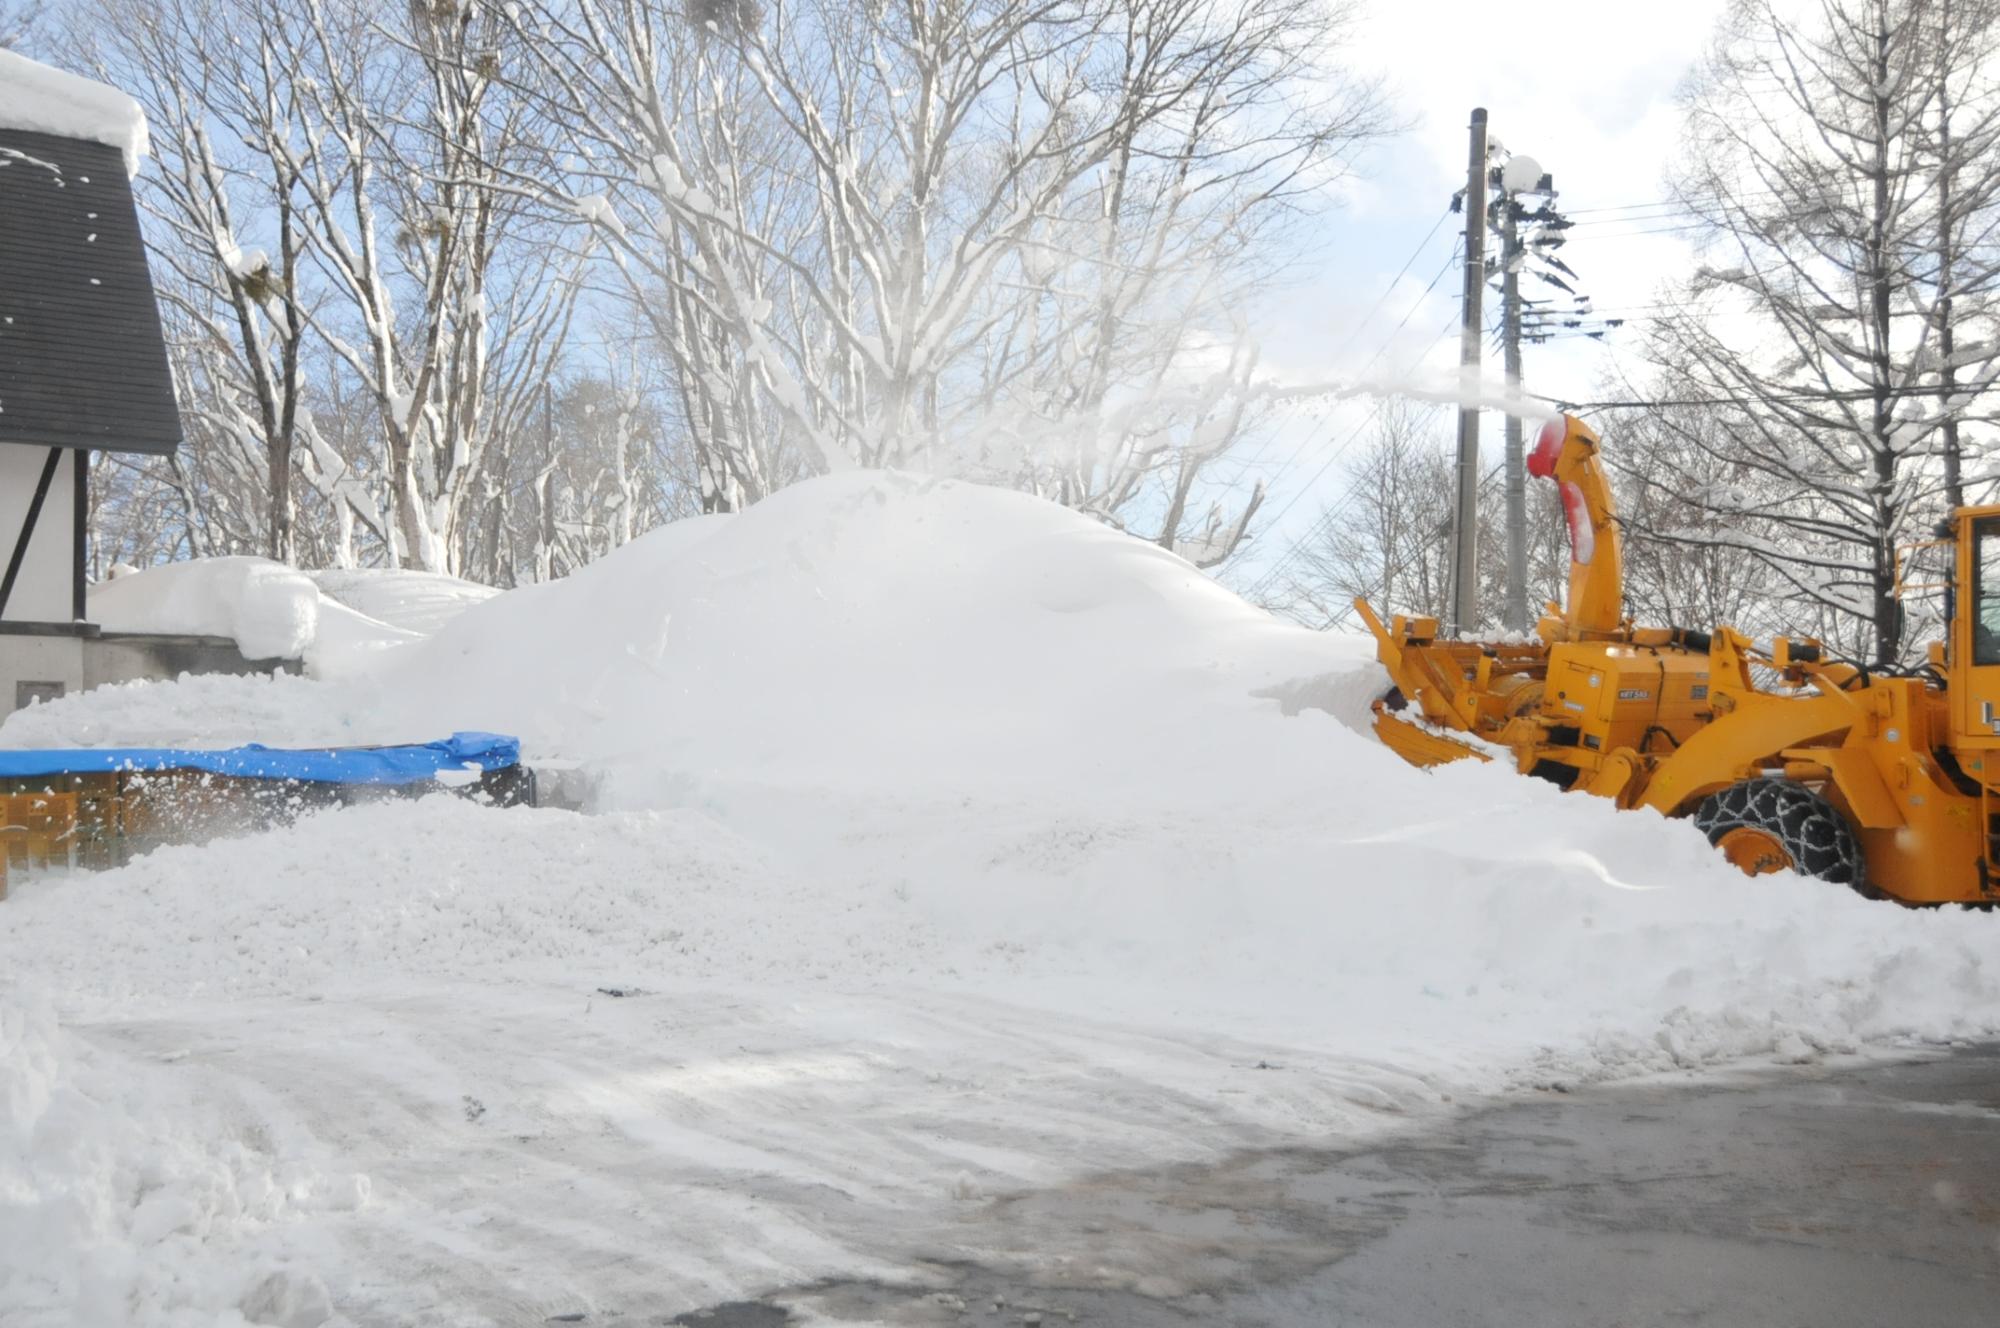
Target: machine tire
{"x":1810,"y":830}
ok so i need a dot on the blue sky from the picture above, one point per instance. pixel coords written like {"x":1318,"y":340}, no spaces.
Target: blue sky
{"x":1585,"y":88}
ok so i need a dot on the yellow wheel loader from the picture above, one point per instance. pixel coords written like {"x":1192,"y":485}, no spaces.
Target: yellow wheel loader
{"x":1781,"y":755}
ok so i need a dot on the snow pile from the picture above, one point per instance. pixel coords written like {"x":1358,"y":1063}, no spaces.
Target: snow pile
{"x":853,"y":630}
{"x":948,"y":843}
{"x":124,"y":1199}
{"x":868,"y":628}
{"x":42,"y":100}
{"x":201,"y":710}
{"x":419,"y":602}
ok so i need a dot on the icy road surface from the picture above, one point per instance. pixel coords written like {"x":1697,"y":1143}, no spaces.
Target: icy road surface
{"x":1845,"y":1196}
{"x":945,"y":846}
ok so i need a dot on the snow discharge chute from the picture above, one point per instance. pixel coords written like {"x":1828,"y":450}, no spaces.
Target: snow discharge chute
{"x":1565,"y":452}
{"x":1548,"y":448}
{"x":1576,"y":506}
{"x":1576,"y":511}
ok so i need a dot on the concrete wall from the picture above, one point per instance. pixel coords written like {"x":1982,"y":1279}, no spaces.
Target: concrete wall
{"x":131,"y":656}
{"x":44,"y":653}
{"x":41,"y":665}
{"x":45,"y":589}
{"x":33,"y":667}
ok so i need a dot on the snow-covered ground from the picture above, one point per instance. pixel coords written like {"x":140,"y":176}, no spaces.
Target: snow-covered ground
{"x":942,"y":843}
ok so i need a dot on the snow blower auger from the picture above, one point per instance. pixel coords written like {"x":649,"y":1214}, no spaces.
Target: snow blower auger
{"x":1885,"y":781}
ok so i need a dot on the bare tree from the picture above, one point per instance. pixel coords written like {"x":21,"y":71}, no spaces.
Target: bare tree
{"x":602,"y":476}
{"x":1684,"y":564}
{"x":1816,"y":161}
{"x":20,"y":24}
{"x":1964,"y":143}
{"x":410,"y":129}
{"x":225,"y":115}
{"x":980,"y":237}
{"x":326,"y":227}
{"x":1010,"y":239}
{"x":1387,"y":536}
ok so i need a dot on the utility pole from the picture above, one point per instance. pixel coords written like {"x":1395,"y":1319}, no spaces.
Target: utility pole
{"x":1516,"y":619}
{"x":1465,"y":518}
{"x":1954,"y":486}
{"x":1522,"y":175}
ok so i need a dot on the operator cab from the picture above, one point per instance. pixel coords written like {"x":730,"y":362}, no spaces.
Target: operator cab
{"x":1974,"y":658}
{"x":1985,"y":606}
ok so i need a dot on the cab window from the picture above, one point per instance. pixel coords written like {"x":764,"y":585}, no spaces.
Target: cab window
{"x":1986,"y":592}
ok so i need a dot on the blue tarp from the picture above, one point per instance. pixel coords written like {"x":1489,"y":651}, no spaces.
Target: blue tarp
{"x":318,"y":765}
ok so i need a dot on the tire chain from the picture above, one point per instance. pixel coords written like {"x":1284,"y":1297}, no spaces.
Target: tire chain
{"x":1812,"y":830}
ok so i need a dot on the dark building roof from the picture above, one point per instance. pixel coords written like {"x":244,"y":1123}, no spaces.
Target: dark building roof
{"x":82,"y":359}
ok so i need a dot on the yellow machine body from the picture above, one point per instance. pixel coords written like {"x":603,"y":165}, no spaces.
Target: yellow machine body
{"x":1667,"y":718}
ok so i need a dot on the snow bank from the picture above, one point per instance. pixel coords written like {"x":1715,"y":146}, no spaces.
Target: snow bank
{"x":1607,"y":945}
{"x":43,"y":100}
{"x":847,"y":632}
{"x":949,"y":843}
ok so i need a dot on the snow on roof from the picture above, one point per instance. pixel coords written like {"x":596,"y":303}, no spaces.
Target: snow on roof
{"x":43,"y":100}
{"x":270,"y":610}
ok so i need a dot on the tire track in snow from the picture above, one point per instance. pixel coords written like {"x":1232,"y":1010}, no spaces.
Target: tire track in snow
{"x":532,"y":1152}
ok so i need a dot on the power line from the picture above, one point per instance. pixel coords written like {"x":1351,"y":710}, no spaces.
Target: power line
{"x":1334,"y":509}
{"x":1346,"y":442}
{"x":1337,"y":508}
{"x":1550,"y":310}
{"x":1779,"y":398}
{"x":1671,"y":204}
{"x":1390,"y":289}
{"x":1679,"y":229}
{"x":1312,"y":435}
{"x":1635,"y":215}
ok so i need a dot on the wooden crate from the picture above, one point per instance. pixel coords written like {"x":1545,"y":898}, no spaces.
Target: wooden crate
{"x":37,"y":829}
{"x":105,"y":819}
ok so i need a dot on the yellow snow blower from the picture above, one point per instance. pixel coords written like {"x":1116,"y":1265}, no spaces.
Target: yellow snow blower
{"x":1785,"y":757}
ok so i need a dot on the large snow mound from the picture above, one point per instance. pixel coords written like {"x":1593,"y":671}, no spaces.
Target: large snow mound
{"x":947,"y":843}
{"x":849,"y":630}
{"x":867,"y":628}
{"x":44,"y":100}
